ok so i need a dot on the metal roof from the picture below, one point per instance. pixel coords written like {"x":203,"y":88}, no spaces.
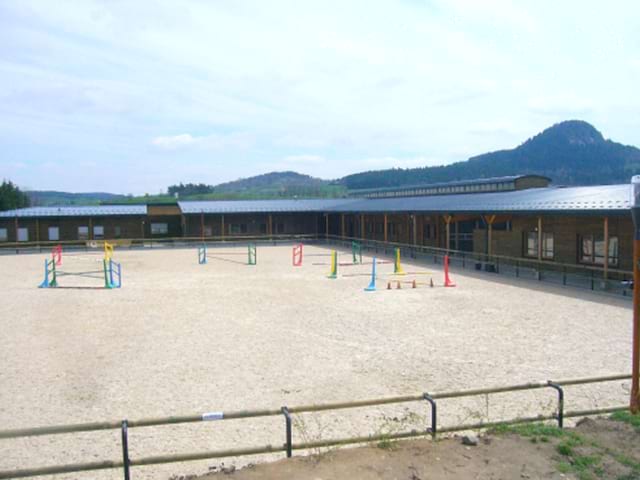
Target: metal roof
{"x":603,"y":199}
{"x":572,"y":200}
{"x":454,"y":183}
{"x":77,"y":211}
{"x":582,"y":200}
{"x":257,"y":206}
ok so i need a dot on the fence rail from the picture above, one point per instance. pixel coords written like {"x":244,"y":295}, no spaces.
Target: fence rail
{"x":124,"y":425}
{"x":613,"y":281}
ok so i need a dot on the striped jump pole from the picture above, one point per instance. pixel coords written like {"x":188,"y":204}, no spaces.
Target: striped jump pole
{"x":397,"y":266}
{"x":447,"y":280}
{"x":46,"y":283}
{"x":372,"y":284}
{"x":297,"y":255}
{"x":333,"y":274}
{"x":56,"y":255}
{"x":202,"y":254}
{"x":252,"y":256}
{"x":356,"y":251}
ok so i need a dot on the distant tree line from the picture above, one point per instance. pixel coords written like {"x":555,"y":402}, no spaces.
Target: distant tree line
{"x":188,"y":189}
{"x":12,"y":197}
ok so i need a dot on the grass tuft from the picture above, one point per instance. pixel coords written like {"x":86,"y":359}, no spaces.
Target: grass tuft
{"x":628,"y":418}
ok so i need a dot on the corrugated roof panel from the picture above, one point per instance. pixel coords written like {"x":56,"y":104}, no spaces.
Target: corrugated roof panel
{"x":605,"y":198}
{"x":595,"y":200}
{"x":258,"y":206}
{"x":77,"y":211}
{"x":453,"y":183}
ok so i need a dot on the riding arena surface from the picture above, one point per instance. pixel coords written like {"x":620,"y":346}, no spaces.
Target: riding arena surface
{"x":181,"y":337}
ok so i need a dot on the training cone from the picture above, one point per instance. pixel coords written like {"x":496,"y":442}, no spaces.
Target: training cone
{"x":388,"y":285}
{"x":413,"y":284}
{"x":431,"y":282}
{"x":398,"y":285}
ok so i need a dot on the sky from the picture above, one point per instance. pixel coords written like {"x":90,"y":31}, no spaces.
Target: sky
{"x":134,"y":96}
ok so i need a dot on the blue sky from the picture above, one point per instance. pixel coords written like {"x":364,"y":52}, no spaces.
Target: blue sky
{"x":132,"y":96}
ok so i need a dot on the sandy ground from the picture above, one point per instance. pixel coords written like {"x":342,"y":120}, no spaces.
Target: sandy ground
{"x":183,"y":338}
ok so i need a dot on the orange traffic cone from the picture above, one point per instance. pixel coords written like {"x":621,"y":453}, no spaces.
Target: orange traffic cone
{"x":398,"y":286}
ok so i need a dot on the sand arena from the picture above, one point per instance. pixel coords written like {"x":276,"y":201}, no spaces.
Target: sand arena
{"x":180,"y":338}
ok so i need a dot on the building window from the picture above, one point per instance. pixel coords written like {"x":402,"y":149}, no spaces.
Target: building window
{"x":427,"y":231}
{"x":531,"y":245}
{"x":263,"y":228}
{"x":592,"y":250}
{"x":54,"y":234}
{"x":280,"y":228}
{"x":208,"y":231}
{"x":117,"y":232}
{"x":98,"y":232}
{"x":23,"y":234}
{"x":83,"y":233}
{"x":547,"y":246}
{"x":238,"y":228}
{"x":159,"y":228}
{"x":4,"y":235}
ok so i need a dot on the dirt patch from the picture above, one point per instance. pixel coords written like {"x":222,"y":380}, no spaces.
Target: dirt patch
{"x":595,"y":449}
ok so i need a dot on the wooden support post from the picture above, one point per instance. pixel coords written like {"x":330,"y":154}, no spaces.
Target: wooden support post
{"x":202,"y":226}
{"x":270,"y":225}
{"x":222,"y":226}
{"x":447,"y":221}
{"x":362,"y":226}
{"x":342,"y":225}
{"x":415,"y":229}
{"x":326,"y":225}
{"x":457,"y":242}
{"x":539,"y":238}
{"x":635,"y":343}
{"x":17,"y":227}
{"x":489,"y":221}
{"x":142,"y":228}
{"x":436,"y":230}
{"x":90,"y":228}
{"x":606,"y":249}
{"x":386,"y":228}
{"x":38,"y":232}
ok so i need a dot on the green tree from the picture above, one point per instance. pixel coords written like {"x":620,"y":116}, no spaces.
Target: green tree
{"x":12,"y":197}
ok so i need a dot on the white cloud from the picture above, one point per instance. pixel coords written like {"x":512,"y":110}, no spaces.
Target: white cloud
{"x":207,"y":142}
{"x":322,"y":87}
{"x":567,"y":104}
{"x":303,"y":159}
{"x":174,"y":142}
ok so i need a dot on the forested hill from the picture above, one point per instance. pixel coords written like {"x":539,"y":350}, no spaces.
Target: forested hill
{"x":570,"y":153}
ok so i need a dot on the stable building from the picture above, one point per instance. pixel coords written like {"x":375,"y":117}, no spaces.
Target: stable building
{"x":518,"y":216}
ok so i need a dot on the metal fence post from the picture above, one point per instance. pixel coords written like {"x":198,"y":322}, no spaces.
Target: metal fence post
{"x":434,"y":415}
{"x":287,"y":418}
{"x":125,"y":450}
{"x":560,"y":402}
